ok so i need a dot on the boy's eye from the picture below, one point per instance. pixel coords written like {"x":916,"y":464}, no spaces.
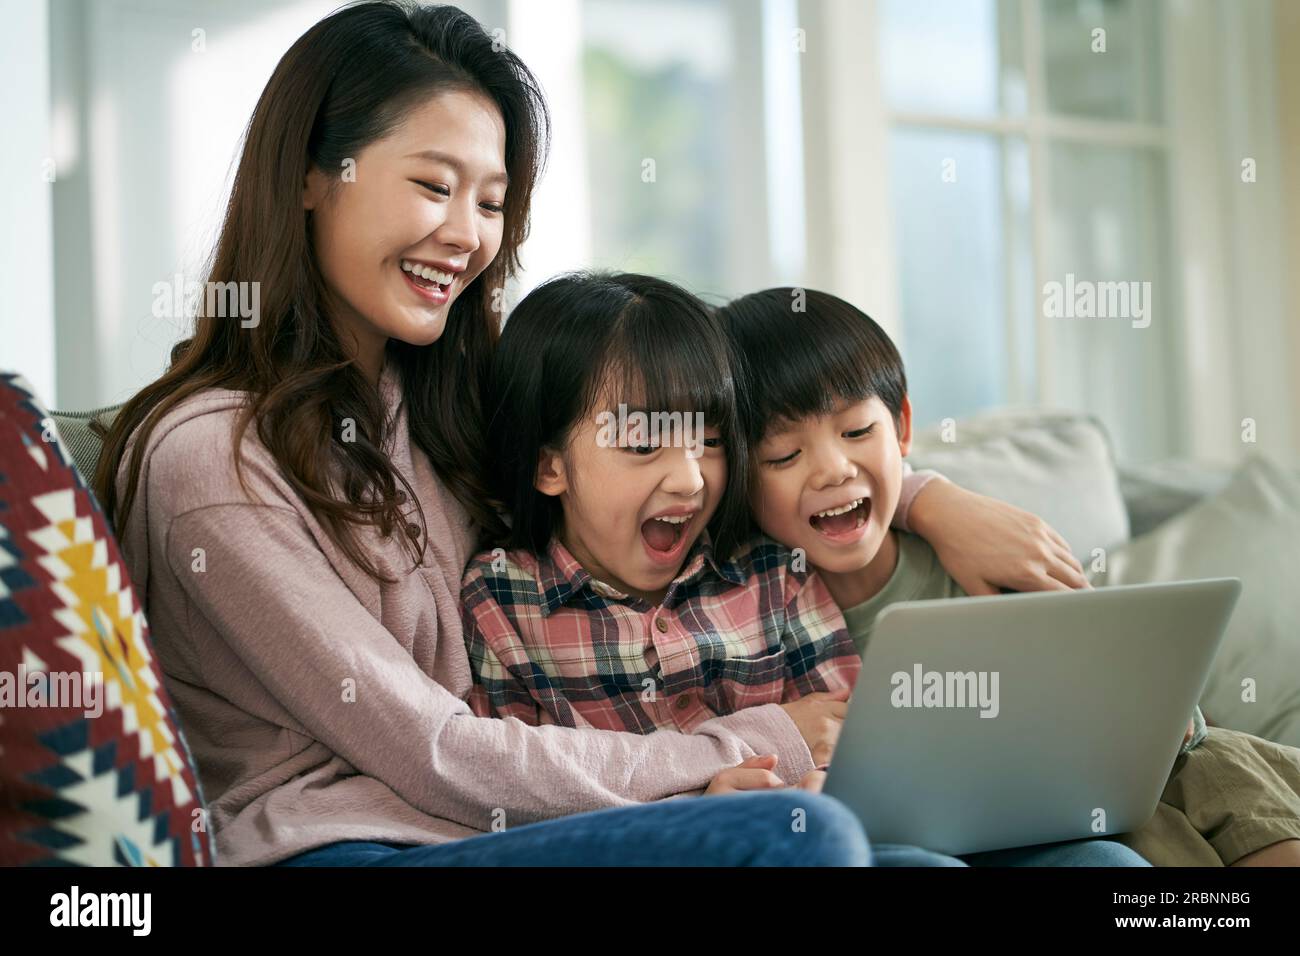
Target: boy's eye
{"x":860,"y":432}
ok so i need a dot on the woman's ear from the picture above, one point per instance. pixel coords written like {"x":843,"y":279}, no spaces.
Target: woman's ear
{"x":314,"y":188}
{"x":905,"y":427}
{"x":551,"y":478}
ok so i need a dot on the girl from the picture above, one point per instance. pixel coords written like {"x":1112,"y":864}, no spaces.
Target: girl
{"x":627,"y":600}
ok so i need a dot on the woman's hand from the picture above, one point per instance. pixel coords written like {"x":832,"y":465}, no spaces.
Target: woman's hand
{"x":756,"y":774}
{"x":753,"y":774}
{"x":986,"y":544}
{"x":819,"y":717}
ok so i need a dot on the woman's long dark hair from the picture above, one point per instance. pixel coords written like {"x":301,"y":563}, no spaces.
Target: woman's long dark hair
{"x":660,"y":348}
{"x":345,"y":83}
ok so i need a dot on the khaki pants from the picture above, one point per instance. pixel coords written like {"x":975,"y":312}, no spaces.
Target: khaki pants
{"x":1231,"y":796}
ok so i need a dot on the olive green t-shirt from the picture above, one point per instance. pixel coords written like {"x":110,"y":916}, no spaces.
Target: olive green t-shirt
{"x":918,"y":576}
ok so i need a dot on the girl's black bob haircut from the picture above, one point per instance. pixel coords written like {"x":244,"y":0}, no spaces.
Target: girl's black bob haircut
{"x":582,"y":343}
{"x":803,"y":351}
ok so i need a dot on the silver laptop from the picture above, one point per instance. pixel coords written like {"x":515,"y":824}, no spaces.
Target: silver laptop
{"x":991,"y":722}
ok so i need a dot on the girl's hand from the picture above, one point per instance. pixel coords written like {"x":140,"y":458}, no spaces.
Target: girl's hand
{"x":819,"y":717}
{"x":754,"y":774}
{"x":986,"y":544}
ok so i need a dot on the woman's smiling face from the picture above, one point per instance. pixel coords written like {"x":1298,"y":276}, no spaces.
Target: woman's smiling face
{"x":427,"y":196}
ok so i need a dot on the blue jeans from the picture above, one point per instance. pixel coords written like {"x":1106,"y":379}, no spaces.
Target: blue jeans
{"x":744,"y":829}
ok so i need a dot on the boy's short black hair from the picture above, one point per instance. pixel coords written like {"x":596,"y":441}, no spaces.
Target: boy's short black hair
{"x":660,"y":347}
{"x":802,"y":351}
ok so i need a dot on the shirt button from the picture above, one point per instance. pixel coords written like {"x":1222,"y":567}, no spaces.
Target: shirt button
{"x":413,"y":529}
{"x":401,"y":497}
{"x":661,"y":625}
{"x":684,"y":701}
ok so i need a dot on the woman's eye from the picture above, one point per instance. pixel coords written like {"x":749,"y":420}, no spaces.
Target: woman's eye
{"x":493,"y":207}
{"x":714,"y":442}
{"x":439,"y":189}
{"x":860,"y":432}
{"x":641,"y":449}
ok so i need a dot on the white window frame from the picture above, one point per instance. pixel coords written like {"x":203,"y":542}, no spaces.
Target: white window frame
{"x":1228,"y":248}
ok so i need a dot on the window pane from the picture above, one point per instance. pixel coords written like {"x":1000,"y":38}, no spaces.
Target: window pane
{"x":960,"y":57}
{"x":953,"y":239}
{"x":1114,"y":346}
{"x":655,"y":79}
{"x":1123,"y":82}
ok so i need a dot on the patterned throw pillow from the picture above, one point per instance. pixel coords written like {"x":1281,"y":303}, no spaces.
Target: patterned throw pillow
{"x":94,"y":770}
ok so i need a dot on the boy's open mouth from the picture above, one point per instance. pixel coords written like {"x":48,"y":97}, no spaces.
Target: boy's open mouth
{"x":663,"y":535}
{"x":842,"y":520}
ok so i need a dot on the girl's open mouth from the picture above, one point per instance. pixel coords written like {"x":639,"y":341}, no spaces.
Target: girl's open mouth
{"x":842,"y":523}
{"x":665,"y":537}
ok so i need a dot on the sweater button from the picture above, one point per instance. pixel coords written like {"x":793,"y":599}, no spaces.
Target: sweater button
{"x":401,"y":497}
{"x":413,"y":529}
{"x":661,"y":625}
{"x":684,"y":701}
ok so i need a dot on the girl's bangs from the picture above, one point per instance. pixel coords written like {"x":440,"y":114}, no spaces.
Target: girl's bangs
{"x":665,"y":366}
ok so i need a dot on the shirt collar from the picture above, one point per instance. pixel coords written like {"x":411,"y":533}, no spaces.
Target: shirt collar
{"x":560,"y":578}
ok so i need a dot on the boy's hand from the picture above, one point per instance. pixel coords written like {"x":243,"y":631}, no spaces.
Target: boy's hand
{"x":987,"y":545}
{"x":753,"y":774}
{"x":1191,"y":729}
{"x":819,"y":717}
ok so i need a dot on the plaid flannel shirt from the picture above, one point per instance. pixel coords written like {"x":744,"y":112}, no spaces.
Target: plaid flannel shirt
{"x":550,"y":644}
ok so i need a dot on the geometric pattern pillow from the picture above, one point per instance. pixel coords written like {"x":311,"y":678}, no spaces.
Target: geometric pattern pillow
{"x":94,"y":769}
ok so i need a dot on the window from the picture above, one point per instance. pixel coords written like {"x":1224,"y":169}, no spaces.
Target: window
{"x":663,"y":159}
{"x":1027,"y":148}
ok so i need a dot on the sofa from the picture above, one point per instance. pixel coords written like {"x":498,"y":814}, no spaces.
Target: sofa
{"x":1160,"y":522}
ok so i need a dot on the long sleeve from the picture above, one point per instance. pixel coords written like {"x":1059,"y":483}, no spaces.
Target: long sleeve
{"x":508,"y":682}
{"x":286,"y":617}
{"x":913,"y":482}
{"x":819,"y":654}
{"x":499,"y":689}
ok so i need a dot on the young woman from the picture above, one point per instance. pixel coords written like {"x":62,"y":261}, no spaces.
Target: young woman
{"x":297,"y":500}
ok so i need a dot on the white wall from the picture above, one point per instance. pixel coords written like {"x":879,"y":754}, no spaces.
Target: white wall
{"x":26,"y":277}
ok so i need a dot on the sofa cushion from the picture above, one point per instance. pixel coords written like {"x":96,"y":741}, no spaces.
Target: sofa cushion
{"x":79,"y":439}
{"x":1056,"y":464}
{"x":95,"y":769}
{"x":1250,"y":530}
{"x":1156,"y":492}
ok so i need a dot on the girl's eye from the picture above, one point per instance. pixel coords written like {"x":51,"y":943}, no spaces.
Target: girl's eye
{"x":782,"y":461}
{"x":439,"y":189}
{"x":860,"y":432}
{"x":642,"y":449}
{"x":493,"y":207}
{"x":713,"y":443}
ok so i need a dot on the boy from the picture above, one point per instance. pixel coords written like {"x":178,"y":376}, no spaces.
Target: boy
{"x":829,"y":422}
